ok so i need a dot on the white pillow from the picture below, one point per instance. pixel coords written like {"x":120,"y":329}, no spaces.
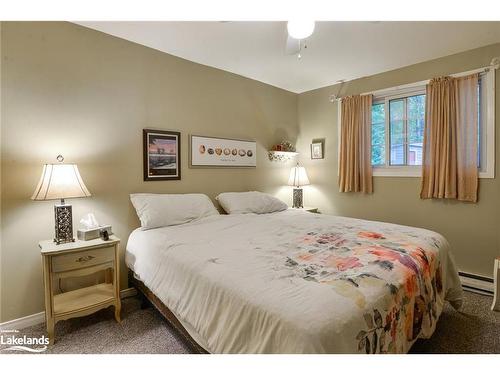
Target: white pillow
{"x":250,"y":202}
{"x":161,"y":210}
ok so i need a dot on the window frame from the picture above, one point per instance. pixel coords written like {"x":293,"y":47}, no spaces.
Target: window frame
{"x":404,"y":170}
{"x":487,"y":133}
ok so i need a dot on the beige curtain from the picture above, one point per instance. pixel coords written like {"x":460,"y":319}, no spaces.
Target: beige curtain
{"x":450,"y":164}
{"x":355,"y":169}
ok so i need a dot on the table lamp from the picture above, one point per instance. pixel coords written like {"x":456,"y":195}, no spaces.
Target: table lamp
{"x":298,"y":178}
{"x":61,"y":181}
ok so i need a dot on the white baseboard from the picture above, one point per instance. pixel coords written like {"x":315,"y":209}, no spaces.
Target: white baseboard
{"x":31,"y":320}
{"x":24,"y":322}
{"x":471,"y":281}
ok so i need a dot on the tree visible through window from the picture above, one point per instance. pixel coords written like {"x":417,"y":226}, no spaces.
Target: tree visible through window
{"x":405,"y":126}
{"x":415,"y":110}
{"x":378,"y":134}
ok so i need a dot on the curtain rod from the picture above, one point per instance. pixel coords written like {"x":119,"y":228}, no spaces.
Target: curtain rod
{"x":495,"y":64}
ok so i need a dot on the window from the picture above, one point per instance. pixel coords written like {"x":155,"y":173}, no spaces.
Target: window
{"x":398,"y":121}
{"x":404,"y":126}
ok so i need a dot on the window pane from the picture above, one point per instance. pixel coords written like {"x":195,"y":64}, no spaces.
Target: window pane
{"x":479,"y":123}
{"x":396,"y":108}
{"x":378,"y":113}
{"x":378,"y":154}
{"x":378,"y":134}
{"x":415,"y":141}
{"x":397,"y":142}
{"x":378,"y":144}
{"x":416,"y":123}
{"x":416,"y":106}
{"x":397,"y":129}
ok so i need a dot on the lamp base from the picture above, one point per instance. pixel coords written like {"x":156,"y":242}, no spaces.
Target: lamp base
{"x":63,"y":223}
{"x":297,"y":198}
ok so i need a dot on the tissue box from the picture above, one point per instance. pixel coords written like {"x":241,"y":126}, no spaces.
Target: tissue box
{"x":92,"y":234}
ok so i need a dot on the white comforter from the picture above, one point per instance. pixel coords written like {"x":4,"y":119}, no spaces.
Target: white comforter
{"x":295,"y":282}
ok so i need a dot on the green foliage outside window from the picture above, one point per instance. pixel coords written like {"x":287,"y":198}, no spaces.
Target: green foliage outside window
{"x":413,"y":119}
{"x":378,"y":134}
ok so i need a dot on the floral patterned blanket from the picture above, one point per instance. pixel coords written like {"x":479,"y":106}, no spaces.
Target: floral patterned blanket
{"x":295,"y":282}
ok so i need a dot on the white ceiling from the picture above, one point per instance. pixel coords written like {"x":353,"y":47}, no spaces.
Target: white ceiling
{"x":336,"y":50}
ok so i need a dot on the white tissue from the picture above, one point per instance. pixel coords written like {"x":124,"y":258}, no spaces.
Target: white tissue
{"x":89,"y":222}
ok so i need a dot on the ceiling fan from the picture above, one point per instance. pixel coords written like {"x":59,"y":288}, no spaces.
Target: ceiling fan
{"x":297,"y":33}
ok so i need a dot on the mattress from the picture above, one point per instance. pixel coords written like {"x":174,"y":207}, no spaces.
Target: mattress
{"x":297,"y":282}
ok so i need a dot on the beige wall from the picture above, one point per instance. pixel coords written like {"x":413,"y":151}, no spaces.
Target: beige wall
{"x":88,"y":95}
{"x":70,"y":90}
{"x":472,"y":229}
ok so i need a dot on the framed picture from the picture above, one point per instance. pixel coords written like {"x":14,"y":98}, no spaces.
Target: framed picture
{"x":162,"y":155}
{"x":222,"y":152}
{"x":317,"y":150}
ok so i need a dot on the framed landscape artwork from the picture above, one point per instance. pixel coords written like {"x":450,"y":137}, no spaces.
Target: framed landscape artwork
{"x":162,"y":155}
{"x":222,"y":152}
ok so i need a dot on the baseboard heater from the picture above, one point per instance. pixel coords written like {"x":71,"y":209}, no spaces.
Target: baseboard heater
{"x":476,"y":283}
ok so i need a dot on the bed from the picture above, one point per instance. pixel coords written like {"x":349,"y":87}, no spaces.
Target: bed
{"x":296,"y":282}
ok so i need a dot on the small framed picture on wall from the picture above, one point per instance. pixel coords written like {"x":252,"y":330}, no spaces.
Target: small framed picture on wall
{"x":317,"y":150}
{"x":162,"y":155}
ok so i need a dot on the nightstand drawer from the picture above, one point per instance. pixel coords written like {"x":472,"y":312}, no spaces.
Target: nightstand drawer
{"x":81,"y":259}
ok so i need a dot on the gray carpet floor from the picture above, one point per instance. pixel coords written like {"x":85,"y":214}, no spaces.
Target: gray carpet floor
{"x":474,"y":329}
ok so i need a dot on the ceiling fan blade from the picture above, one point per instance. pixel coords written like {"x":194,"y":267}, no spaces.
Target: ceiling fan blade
{"x":292,"y":46}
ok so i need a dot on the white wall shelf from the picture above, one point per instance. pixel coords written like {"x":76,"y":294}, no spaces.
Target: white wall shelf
{"x":281,"y":156}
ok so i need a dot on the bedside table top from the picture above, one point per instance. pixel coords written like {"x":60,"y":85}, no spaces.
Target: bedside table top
{"x":49,"y":246}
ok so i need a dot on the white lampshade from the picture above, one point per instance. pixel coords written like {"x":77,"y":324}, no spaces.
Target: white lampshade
{"x":300,"y":29}
{"x":60,"y":181}
{"x":298,"y":177}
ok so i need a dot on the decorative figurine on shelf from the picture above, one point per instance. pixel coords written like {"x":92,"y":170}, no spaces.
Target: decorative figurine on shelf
{"x":284,"y":146}
{"x":287,"y":146}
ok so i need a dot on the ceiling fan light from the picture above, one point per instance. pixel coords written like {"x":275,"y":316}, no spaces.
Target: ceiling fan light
{"x":300,"y":29}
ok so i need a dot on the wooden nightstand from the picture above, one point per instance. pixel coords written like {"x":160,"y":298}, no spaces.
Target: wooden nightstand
{"x":496,"y":272}
{"x":76,"y":259}
{"x":314,"y":210}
